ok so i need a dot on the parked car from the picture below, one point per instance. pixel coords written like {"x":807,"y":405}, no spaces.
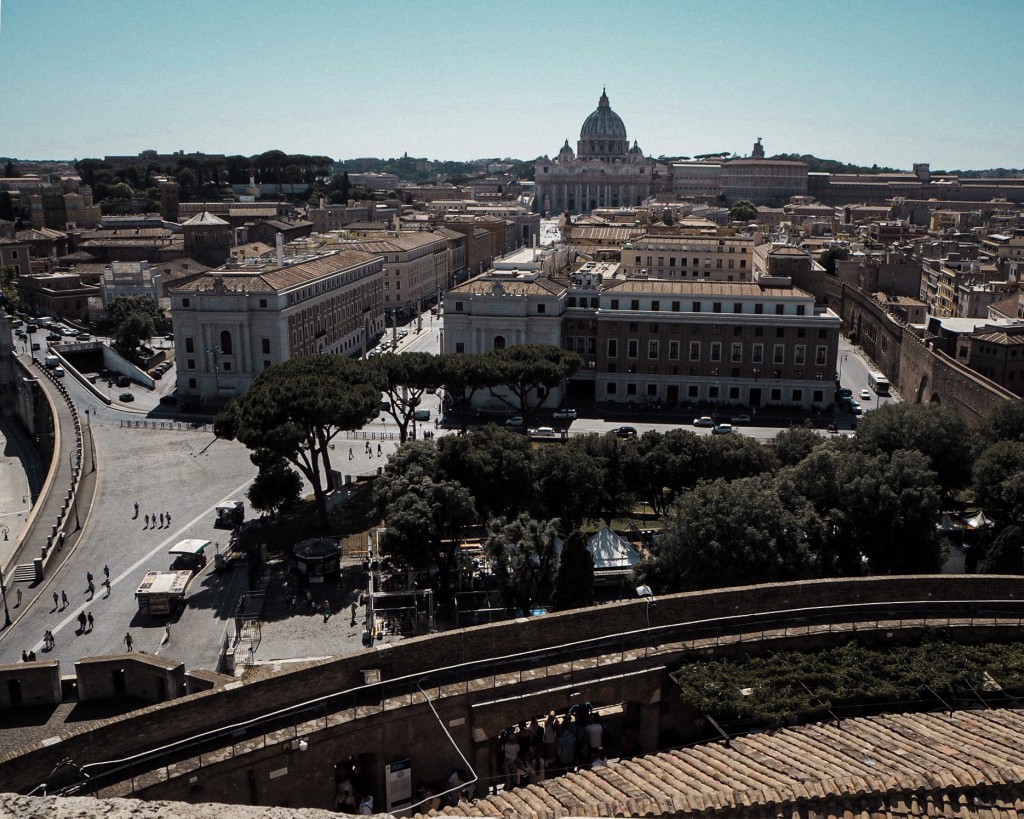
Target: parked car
{"x":742,"y":419}
{"x":865,"y":395}
{"x":36,"y":346}
{"x":845,"y":394}
{"x":625,"y":432}
{"x":54,"y":337}
{"x":856,"y":408}
{"x":421,"y":415}
{"x":722,"y":429}
{"x":127,"y":397}
{"x":514,"y":421}
{"x":565,"y":415}
{"x":703,"y":421}
{"x":84,"y":337}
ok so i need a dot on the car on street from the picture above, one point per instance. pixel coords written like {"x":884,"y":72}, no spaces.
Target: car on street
{"x":856,"y":408}
{"x":703,"y":421}
{"x":742,"y":419}
{"x":865,"y":395}
{"x":127,"y":397}
{"x":722,"y":429}
{"x":565,"y":415}
{"x":514,"y":421}
{"x":625,"y":432}
{"x":22,"y":334}
{"x":54,"y":337}
{"x":845,"y":394}
{"x":36,"y":346}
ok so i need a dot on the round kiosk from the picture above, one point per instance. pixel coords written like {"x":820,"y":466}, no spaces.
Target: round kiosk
{"x":318,"y":559}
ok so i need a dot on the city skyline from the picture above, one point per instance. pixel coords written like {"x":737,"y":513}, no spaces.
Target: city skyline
{"x":872,"y":83}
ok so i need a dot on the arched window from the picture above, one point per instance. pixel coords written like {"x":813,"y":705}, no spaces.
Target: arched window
{"x":225,"y":342}
{"x":499,"y":342}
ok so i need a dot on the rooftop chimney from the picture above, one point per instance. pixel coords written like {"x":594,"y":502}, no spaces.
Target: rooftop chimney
{"x":280,"y":250}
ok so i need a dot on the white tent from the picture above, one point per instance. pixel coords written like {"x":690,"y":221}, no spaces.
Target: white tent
{"x":610,"y":551}
{"x":978,"y":521}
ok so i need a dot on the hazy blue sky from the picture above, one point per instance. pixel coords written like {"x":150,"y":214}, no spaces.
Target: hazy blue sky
{"x":861,"y":80}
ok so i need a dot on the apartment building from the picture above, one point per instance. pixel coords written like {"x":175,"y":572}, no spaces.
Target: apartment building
{"x":232,"y":323}
{"x":716,"y":258}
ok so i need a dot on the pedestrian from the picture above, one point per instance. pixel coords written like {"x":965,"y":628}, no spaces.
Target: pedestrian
{"x":147,"y":522}
{"x":327,"y":610}
{"x":81,"y":622}
{"x":367,"y":447}
{"x":56,"y":601}
{"x":106,"y":571}
{"x":63,"y":600}
{"x":168,"y":519}
{"x":167,"y":635}
{"x":24,"y":656}
{"x":89,"y":618}
{"x":18,"y":603}
{"x":350,"y":455}
{"x":379,"y":451}
{"x":128,"y":640}
{"x":88,"y":578}
{"x":91,"y":588}
{"x":161,"y":520}
{"x":48,"y":640}
{"x":153,"y":516}
{"x":136,"y":510}
{"x":31,"y":656}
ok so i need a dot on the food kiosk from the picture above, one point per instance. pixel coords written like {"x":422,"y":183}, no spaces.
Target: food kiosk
{"x":162,"y":592}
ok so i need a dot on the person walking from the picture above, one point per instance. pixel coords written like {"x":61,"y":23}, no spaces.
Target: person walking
{"x":380,"y":451}
{"x":161,"y":520}
{"x":327,"y":610}
{"x":136,"y":511}
{"x":81,"y":622}
{"x":24,"y":656}
{"x":56,"y":601}
{"x":350,"y":455}
{"x":147,"y":522}
{"x":63,"y":600}
{"x":48,"y":640}
{"x":168,"y":520}
{"x":106,"y":571}
{"x":167,"y":635}
{"x":128,"y":640}
{"x":18,"y":602}
{"x":89,"y":618}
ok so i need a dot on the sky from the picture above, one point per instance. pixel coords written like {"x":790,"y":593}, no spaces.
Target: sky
{"x":863,"y":81}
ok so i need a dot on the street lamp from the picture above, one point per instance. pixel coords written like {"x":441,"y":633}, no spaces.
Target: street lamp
{"x":3,"y":589}
{"x":71,"y":463}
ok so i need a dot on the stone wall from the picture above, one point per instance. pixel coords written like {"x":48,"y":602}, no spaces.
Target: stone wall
{"x":156,"y":725}
{"x":920,"y":373}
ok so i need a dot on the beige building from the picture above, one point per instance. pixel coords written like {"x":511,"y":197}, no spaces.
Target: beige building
{"x":716,"y":258}
{"x":232,"y":323}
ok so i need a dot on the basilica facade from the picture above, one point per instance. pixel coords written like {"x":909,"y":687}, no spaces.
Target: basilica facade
{"x":603,"y":172}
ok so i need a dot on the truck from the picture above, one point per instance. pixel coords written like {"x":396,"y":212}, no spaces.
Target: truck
{"x":162,"y":592}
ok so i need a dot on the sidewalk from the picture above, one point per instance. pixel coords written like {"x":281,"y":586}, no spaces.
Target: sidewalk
{"x":57,"y":509}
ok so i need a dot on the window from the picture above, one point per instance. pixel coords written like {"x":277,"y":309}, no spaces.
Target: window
{"x":718,"y":264}
{"x":800,"y":354}
{"x":696,"y":307}
{"x":190,"y":364}
{"x":694,"y":351}
{"x":613,"y":348}
{"x":458,"y":307}
{"x":716,"y":307}
{"x":673,"y":351}
{"x":266,"y":364}
{"x":227,"y":366}
{"x":266,"y":346}
{"x":190,"y":345}
{"x":631,"y":389}
{"x":820,"y":354}
{"x":615,"y":304}
{"x":652,"y":390}
{"x":499,"y":342}
{"x":716,"y":351}
{"x":757,"y":355}
{"x":655,"y":305}
{"x":186,"y":303}
{"x":822,"y":333}
{"x":263,"y":303}
{"x":779,"y":332}
{"x":541,"y":308}
{"x":776,"y":395}
{"x":675,"y":307}
{"x":798,"y":396}
{"x":779,"y":354}
{"x":758,"y":309}
{"x":634,"y":304}
{"x":818,"y":396}
{"x":610,"y":388}
{"x":736,"y":356}
{"x":571,"y":301}
{"x":801,"y":332}
{"x":632,"y":348}
{"x":191,"y":383}
{"x":800,"y":309}
{"x":460,"y":346}
{"x":759,"y":331}
{"x":737,"y":307}
{"x":692,"y":391}
{"x":225,"y":342}
{"x":594,"y":302}
{"x":652,"y":348}
{"x":737,"y":330}
{"x":779,"y":309}
{"x":634,"y":327}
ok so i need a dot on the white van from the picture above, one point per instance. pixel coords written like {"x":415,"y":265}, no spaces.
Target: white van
{"x":51,"y":362}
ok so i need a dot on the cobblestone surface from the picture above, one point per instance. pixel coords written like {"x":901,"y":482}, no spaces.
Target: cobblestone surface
{"x":76,"y":807}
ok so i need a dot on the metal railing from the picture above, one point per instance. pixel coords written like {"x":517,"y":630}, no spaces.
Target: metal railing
{"x":569,"y":663}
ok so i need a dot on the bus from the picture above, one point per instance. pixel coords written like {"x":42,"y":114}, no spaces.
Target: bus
{"x":879,"y":383}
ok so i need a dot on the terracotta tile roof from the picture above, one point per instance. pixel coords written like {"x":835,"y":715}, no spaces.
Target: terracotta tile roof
{"x":970,"y":763}
{"x":260,"y":280}
{"x":700,"y":288}
{"x":485,"y":286}
{"x":204,"y":218}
